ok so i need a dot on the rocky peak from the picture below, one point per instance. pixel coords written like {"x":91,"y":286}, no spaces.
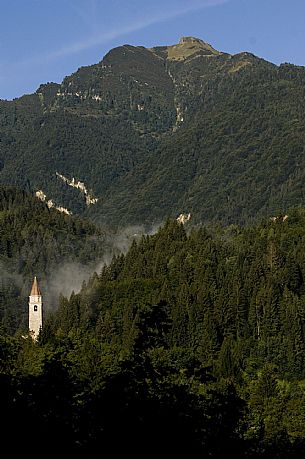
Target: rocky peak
{"x":184,"y":40}
{"x":189,"y":46}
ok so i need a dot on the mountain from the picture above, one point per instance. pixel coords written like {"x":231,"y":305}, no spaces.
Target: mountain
{"x":149,"y":133}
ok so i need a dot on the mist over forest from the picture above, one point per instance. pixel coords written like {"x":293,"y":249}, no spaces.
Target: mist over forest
{"x":152,"y":258}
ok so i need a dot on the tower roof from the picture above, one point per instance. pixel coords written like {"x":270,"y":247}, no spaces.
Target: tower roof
{"x":35,"y":288}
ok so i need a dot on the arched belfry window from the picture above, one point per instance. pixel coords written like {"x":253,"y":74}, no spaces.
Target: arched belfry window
{"x":35,"y":307}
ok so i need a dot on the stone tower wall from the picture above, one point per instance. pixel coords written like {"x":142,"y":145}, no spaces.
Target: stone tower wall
{"x":35,"y":316}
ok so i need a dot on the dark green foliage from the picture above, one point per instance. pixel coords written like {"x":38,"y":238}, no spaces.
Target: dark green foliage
{"x":237,"y":154}
{"x":192,"y":343}
{"x":189,"y":344}
{"x":35,"y":240}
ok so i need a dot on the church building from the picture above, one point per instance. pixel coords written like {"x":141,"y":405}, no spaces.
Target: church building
{"x":35,"y":310}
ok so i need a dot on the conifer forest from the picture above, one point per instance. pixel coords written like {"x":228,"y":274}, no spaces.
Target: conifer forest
{"x":176,"y":338}
{"x":191,"y":342}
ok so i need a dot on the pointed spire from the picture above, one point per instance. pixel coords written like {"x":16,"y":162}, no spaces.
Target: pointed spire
{"x":35,"y":288}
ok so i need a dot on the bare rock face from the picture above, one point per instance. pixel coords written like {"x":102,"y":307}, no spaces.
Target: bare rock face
{"x":183,"y":218}
{"x":189,"y":46}
{"x":184,"y":40}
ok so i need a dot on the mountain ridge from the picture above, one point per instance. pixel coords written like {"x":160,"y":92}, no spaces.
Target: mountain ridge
{"x":154,"y":132}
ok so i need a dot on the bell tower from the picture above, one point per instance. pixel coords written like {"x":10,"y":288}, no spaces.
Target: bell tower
{"x":35,"y":310}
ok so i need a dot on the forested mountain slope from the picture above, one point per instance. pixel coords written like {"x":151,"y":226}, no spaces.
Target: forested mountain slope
{"x":150,"y":133}
{"x":205,"y":291}
{"x":36,"y":240}
{"x":191,"y":343}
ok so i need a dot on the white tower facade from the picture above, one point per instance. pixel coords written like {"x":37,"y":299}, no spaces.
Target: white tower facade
{"x":35,"y":310}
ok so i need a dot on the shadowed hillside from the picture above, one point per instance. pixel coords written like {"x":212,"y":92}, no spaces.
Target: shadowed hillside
{"x":154,"y":132}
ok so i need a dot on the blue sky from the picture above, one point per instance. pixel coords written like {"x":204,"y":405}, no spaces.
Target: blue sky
{"x":45,"y":40}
